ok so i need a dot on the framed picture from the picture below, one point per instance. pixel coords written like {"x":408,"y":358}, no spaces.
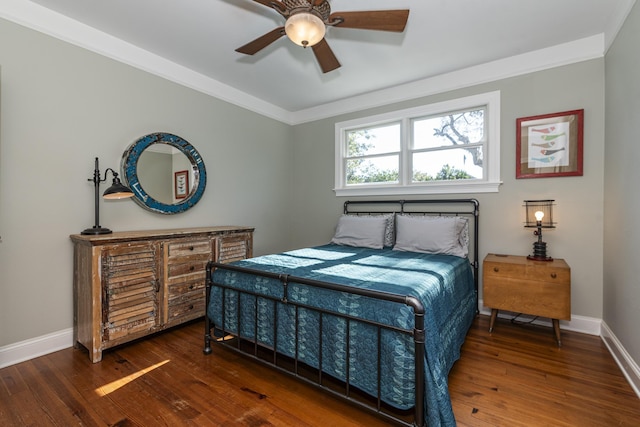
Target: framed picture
{"x":181,"y":184}
{"x":549,"y":145}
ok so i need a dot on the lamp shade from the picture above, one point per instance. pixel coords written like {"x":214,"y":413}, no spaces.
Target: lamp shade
{"x":305,"y":29}
{"x":117,"y":190}
{"x":535,"y":209}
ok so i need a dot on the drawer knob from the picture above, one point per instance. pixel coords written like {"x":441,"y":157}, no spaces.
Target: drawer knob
{"x":496,"y":269}
{"x":554,"y":275}
{"x":192,"y":268}
{"x":191,"y":307}
{"x":190,"y":248}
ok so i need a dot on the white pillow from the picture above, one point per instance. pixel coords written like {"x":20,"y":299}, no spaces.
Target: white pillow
{"x":363,"y":231}
{"x":431,"y":234}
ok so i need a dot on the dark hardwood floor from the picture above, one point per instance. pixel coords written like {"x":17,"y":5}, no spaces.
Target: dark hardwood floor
{"x":515,"y":377}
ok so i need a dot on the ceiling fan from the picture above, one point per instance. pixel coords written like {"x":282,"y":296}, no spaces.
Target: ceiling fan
{"x":306,"y":22}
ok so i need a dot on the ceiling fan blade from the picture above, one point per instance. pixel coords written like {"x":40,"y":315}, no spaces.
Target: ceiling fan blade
{"x":324,"y":55}
{"x":261,"y":42}
{"x":272,"y":4}
{"x":382,"y":20}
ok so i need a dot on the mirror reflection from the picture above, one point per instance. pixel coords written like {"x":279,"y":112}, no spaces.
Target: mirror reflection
{"x":157,"y":169}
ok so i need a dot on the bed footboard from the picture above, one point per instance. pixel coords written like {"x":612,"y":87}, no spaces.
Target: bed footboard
{"x":292,"y":364}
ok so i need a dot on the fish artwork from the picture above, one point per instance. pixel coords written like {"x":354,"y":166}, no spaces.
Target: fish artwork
{"x":545,"y":145}
{"x":544,"y":159}
{"x":548,"y":145}
{"x":551,"y":137}
{"x":545,"y":130}
{"x":549,"y":152}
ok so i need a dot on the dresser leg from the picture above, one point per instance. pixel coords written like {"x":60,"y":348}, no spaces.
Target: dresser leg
{"x":556,"y":329}
{"x":494,"y":313}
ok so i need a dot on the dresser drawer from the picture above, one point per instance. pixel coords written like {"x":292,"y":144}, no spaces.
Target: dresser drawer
{"x":186,"y":306}
{"x":181,"y":271}
{"x":187,"y":260}
{"x":182,"y":248}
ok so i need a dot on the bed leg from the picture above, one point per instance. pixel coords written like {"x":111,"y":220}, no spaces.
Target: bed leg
{"x":207,"y":321}
{"x":207,"y":344}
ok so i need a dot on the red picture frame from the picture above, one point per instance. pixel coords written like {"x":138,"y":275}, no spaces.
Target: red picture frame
{"x":181,"y":184}
{"x":550,"y":145}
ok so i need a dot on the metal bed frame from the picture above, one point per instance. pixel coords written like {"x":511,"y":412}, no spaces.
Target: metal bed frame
{"x":252,"y":348}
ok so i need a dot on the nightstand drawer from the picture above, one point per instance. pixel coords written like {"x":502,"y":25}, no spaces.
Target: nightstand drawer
{"x":547,"y":299}
{"x":536,"y":270}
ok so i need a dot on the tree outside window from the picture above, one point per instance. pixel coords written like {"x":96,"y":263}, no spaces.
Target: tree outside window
{"x":447,"y":147}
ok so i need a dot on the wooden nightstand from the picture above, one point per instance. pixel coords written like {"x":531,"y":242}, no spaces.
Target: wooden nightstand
{"x":518,"y":284}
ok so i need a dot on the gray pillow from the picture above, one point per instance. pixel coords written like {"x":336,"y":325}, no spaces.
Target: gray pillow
{"x":390,"y":227}
{"x":362,"y":231}
{"x":432,"y":234}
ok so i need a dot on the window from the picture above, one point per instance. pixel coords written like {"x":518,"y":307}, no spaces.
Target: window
{"x":449,"y":147}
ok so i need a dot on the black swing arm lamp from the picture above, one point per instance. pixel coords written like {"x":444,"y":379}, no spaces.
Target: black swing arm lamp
{"x":116,"y":191}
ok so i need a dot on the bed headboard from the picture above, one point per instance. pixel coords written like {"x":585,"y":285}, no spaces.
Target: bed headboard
{"x":468,"y":208}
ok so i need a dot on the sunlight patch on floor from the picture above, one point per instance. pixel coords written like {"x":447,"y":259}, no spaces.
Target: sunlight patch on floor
{"x":115,"y":385}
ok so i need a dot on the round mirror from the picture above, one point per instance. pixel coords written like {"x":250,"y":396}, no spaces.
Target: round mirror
{"x":165,"y":173}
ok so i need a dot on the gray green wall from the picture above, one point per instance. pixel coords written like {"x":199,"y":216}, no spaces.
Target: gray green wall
{"x":579,"y":200}
{"x":61,"y":107}
{"x":621,"y":192}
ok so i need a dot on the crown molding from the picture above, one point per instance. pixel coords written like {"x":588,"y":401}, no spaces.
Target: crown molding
{"x":56,"y":25}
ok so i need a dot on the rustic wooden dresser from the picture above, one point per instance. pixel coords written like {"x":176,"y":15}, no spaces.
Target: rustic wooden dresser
{"x":127,"y":285}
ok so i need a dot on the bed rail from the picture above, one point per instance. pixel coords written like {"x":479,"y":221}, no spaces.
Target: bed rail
{"x":417,"y":334}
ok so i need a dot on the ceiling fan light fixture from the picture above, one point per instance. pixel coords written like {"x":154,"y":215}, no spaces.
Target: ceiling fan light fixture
{"x":305,"y":29}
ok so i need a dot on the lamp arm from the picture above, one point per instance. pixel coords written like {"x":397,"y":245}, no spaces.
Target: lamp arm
{"x":115,"y":174}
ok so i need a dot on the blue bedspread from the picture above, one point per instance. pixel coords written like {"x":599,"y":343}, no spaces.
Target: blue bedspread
{"x":443,"y":283}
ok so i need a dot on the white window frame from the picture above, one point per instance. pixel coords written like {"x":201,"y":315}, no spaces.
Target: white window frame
{"x":488,"y":184}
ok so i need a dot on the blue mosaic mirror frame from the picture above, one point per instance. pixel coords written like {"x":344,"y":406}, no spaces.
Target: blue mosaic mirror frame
{"x":129,"y":168}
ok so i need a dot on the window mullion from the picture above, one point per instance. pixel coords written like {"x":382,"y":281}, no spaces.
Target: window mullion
{"x":405,"y":157}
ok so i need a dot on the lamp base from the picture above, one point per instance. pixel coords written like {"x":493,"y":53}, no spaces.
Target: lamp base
{"x":540,"y":252}
{"x":539,"y":258}
{"x":96,"y":230}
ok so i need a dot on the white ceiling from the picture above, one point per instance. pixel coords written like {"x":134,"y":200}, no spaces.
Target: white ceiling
{"x":446,"y":44}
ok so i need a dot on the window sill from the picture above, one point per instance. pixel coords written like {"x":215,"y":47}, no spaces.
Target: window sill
{"x":443,"y":188}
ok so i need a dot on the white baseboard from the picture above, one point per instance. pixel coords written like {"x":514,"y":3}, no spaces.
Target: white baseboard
{"x":35,"y":347}
{"x":628,"y":366}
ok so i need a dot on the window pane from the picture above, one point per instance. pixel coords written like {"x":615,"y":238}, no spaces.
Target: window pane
{"x":376,"y":169}
{"x":465,"y":127}
{"x":371,"y":141}
{"x":456,"y":163}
